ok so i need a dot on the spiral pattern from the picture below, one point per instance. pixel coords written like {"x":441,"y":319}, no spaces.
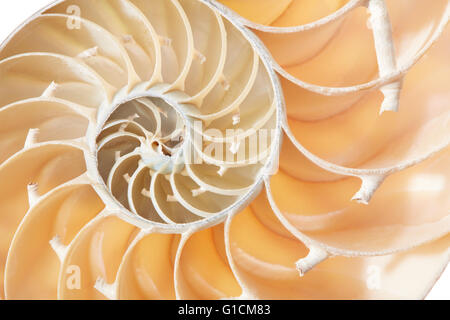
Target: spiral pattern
{"x":141,"y":156}
{"x":163,"y":85}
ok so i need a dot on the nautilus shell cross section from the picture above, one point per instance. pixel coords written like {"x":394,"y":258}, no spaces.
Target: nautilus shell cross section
{"x":201,"y":149}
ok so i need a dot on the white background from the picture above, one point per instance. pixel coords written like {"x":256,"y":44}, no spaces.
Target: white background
{"x":14,"y":12}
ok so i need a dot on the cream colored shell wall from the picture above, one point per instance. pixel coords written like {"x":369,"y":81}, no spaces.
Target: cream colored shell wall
{"x":100,"y":198}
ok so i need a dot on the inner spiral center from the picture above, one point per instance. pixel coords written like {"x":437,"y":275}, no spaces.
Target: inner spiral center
{"x":142,"y":138}
{"x":150,"y":125}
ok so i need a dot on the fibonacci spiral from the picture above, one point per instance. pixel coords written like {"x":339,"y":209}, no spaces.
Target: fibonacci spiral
{"x":195,"y":149}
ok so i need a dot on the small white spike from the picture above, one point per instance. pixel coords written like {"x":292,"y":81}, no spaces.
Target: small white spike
{"x":145,"y":193}
{"x":368,"y":187}
{"x":133,"y":117}
{"x":380,"y":24}
{"x":198,"y":192}
{"x":130,"y":119}
{"x":167,"y":177}
{"x":59,"y":248}
{"x":123,"y":127}
{"x":89,"y":53}
{"x":127,"y":177}
{"x":171,"y":198}
{"x":199,"y":56}
{"x":391,"y":99}
{"x":106,"y":289}
{"x":315,"y":256}
{"x":224,"y":83}
{"x":236,"y":119}
{"x":33,"y":194}
{"x":184,"y":173}
{"x":31,"y":138}
{"x":222,"y":171}
{"x":117,"y":155}
{"x":51,"y":89}
{"x":235,"y":147}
